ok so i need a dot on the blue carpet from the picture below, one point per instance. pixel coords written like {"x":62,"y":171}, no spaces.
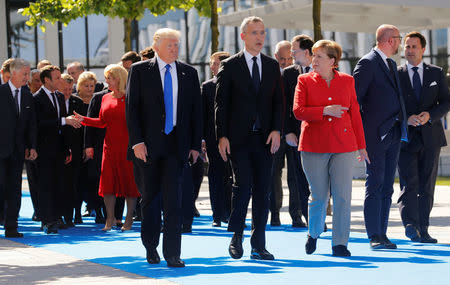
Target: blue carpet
{"x":205,"y":252}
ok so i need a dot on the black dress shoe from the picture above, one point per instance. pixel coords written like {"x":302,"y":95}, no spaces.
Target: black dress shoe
{"x":196,"y":212}
{"x":78,"y":220}
{"x":387,"y":243}
{"x":216,"y":223}
{"x":412,"y":233}
{"x":70,"y":224}
{"x":325,"y":228}
{"x":310,"y":245}
{"x":235,"y":249}
{"x":61,"y":225}
{"x":426,"y":238}
{"x":35,"y":218}
{"x":341,"y":250}
{"x":261,"y":254}
{"x":375,"y":242}
{"x":275,"y":219}
{"x":49,"y":229}
{"x":175,"y":262}
{"x":298,"y":223}
{"x":153,"y":256}
{"x":13,"y":234}
{"x":225,"y":218}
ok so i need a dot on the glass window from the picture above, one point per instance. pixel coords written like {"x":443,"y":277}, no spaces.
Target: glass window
{"x":74,"y":42}
{"x":98,"y":40}
{"x":22,"y":37}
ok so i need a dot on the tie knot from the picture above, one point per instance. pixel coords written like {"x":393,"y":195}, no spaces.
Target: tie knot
{"x":415,"y":68}
{"x":16,"y":92}
{"x":254,"y":58}
{"x":168,"y":67}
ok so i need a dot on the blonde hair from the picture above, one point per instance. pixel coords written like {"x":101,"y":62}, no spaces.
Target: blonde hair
{"x":165,"y":33}
{"x":67,"y":78}
{"x":85,"y":76}
{"x":331,"y":48}
{"x":118,"y":72}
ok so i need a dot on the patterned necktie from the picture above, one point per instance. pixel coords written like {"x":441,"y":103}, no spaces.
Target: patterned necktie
{"x":416,"y":82}
{"x":255,"y":75}
{"x":168,"y":100}
{"x":16,"y":100}
{"x":54,"y":103}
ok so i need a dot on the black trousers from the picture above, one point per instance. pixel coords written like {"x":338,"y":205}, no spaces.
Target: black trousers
{"x":11,"y":187}
{"x":220,"y":182}
{"x":158,"y":181}
{"x":32,"y":177}
{"x":276,"y":189}
{"x":71,"y":172}
{"x":418,"y":172}
{"x":297,"y":184}
{"x":252,"y":165}
{"x":51,"y":186}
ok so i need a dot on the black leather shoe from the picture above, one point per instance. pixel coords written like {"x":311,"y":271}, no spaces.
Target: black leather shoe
{"x":78,"y":220}
{"x":298,"y":223}
{"x":13,"y":234}
{"x":196,"y":212}
{"x":261,"y":254}
{"x":50,"y":229}
{"x":225,"y":218}
{"x":216,"y":223}
{"x":325,"y":228}
{"x":426,"y":238}
{"x":310,"y":245}
{"x":235,"y":249}
{"x":412,"y":233}
{"x":70,"y":224}
{"x":375,"y":242}
{"x":61,"y":225}
{"x":387,"y":243}
{"x":35,"y":218}
{"x":153,"y":256}
{"x":275,"y":219}
{"x":341,"y":250}
{"x":175,"y":262}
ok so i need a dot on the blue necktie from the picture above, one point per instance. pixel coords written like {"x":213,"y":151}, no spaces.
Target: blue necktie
{"x":168,"y":100}
{"x":416,"y":82}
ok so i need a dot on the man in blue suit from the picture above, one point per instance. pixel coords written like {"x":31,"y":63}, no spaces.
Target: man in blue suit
{"x":427,"y":99}
{"x":383,"y":113}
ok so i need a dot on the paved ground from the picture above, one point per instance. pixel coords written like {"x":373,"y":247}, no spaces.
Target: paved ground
{"x":20,"y":264}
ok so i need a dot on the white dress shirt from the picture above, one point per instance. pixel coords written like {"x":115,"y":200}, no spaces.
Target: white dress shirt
{"x":383,"y":56}
{"x":411,"y":72}
{"x":249,"y":60}
{"x":13,"y":90}
{"x":173,"y":73}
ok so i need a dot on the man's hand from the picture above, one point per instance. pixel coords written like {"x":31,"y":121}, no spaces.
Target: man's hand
{"x":203,"y":146}
{"x":424,"y":117}
{"x":194,"y":155}
{"x":363,"y":156}
{"x":291,"y":139}
{"x":72,"y":121}
{"x":274,"y":140}
{"x":88,"y":153}
{"x":30,"y":154}
{"x":414,"y":120}
{"x":140,"y":151}
{"x":68,"y":159}
{"x":334,"y":110}
{"x":224,"y":148}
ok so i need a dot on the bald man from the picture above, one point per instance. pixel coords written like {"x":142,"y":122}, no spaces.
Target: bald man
{"x":385,"y":125}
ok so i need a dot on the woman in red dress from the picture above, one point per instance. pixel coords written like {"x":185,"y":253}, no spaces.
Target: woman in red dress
{"x":117,"y":179}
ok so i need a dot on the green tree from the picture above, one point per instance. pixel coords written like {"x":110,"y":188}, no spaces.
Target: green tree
{"x":65,"y":11}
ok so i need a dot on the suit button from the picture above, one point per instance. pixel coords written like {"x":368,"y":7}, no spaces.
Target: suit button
{"x":329,"y":119}
{"x":329,"y":98}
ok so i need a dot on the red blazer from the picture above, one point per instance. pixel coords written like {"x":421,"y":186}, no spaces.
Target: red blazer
{"x":326,"y":134}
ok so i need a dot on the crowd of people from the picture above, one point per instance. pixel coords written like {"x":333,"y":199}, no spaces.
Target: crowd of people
{"x":143,"y":138}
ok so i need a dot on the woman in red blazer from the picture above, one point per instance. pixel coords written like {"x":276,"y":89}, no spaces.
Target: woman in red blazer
{"x":331,"y":133}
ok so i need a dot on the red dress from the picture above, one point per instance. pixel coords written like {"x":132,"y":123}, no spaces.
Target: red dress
{"x":117,"y":172}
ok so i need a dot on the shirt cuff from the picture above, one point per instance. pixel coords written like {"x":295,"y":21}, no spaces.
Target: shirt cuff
{"x":63,"y":121}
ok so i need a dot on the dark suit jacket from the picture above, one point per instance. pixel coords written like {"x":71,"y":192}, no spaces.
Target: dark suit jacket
{"x":379,"y":97}
{"x":208,"y":91}
{"x":20,"y":132}
{"x":289,"y":78}
{"x":75,"y":136}
{"x":52,"y":140}
{"x":434,"y":98}
{"x":237,"y":104}
{"x":93,"y":137}
{"x":146,"y":114}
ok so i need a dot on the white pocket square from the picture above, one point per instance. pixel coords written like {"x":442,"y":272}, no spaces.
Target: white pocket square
{"x":433,"y":83}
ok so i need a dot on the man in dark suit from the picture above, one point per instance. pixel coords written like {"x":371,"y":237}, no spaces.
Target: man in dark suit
{"x":384,"y":119}
{"x":298,"y":185}
{"x":53,"y":147}
{"x":74,"y":69}
{"x":164,"y":123}
{"x":248,"y":119}
{"x":427,"y":100}
{"x":219,"y":189}
{"x":17,"y":142}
